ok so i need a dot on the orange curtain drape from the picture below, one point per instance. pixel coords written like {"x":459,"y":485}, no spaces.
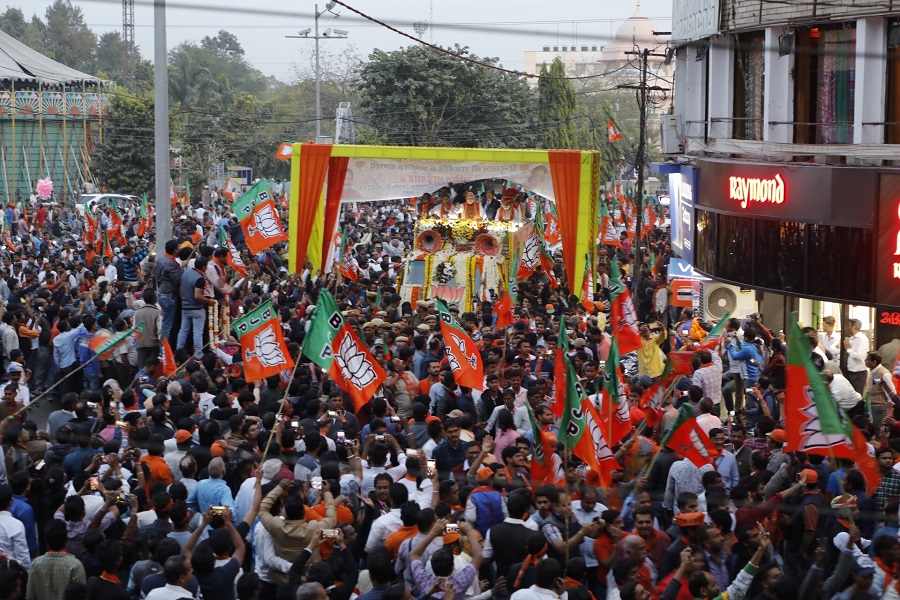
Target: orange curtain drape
{"x":314,"y":159}
{"x":337,"y":170}
{"x":565,"y":171}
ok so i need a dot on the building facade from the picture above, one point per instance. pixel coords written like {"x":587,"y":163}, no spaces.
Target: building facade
{"x":786,"y":121}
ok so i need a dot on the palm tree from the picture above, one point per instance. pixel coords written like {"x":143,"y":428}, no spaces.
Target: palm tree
{"x":190,"y":84}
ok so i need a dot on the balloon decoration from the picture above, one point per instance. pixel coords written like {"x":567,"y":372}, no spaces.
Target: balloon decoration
{"x":429,"y":241}
{"x":487,"y":245}
{"x":44,"y":189}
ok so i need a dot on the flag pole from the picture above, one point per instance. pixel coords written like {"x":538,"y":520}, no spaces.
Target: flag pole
{"x":281,"y":405}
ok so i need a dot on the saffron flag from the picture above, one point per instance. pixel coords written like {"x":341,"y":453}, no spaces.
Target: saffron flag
{"x":653,"y":400}
{"x":813,"y":421}
{"x":284,"y":151}
{"x":602,"y":460}
{"x":186,"y":198}
{"x":173,"y":193}
{"x":8,"y":240}
{"x":258,"y":216}
{"x":551,"y":225}
{"x":143,"y":224}
{"x":463,"y":355}
{"x":234,"y":256}
{"x":587,"y":285}
{"x":608,"y":233}
{"x":115,"y":226}
{"x":612,"y":131}
{"x":580,"y":428}
{"x":262,"y":343}
{"x":104,"y":344}
{"x":542,"y":469}
{"x":333,"y":345}
{"x":531,"y":256}
{"x":687,"y":438}
{"x":168,"y":357}
{"x":560,"y":370}
{"x":615,"y":418}
{"x":622,"y":313}
{"x":348,"y":267}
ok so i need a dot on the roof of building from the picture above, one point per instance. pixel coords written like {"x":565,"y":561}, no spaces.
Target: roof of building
{"x":638,"y":29}
{"x":21,"y":63}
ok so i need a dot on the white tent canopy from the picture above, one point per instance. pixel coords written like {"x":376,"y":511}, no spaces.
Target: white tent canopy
{"x":21,"y":63}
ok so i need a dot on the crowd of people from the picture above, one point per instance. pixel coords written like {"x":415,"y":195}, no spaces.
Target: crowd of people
{"x":202,"y":484}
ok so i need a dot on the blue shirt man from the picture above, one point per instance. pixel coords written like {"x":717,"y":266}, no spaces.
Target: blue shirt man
{"x":22,"y":511}
{"x":213,"y":491}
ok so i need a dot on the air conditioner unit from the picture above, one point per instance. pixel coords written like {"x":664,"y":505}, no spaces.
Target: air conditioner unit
{"x":719,"y":299}
{"x":670,"y":134}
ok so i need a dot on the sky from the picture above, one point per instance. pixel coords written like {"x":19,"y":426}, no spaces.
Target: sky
{"x":500,"y":28}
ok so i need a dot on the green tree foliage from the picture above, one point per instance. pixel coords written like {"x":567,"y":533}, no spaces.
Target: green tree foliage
{"x":557,"y":107}
{"x":31,"y":33}
{"x":67,"y":37}
{"x":124,"y":162}
{"x":195,"y":71}
{"x":422,"y":97}
{"x":110,"y":58}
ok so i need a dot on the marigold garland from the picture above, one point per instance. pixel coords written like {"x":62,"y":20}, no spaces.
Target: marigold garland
{"x":471,"y":262}
{"x":429,"y":272}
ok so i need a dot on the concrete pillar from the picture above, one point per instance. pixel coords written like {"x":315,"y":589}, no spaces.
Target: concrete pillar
{"x":695,"y":90}
{"x":779,"y":90}
{"x":871,"y":80}
{"x":721,"y":87}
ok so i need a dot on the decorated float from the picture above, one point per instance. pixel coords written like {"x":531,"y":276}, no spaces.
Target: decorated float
{"x":459,"y":261}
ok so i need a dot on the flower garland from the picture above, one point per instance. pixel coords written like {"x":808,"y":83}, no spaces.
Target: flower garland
{"x":214,"y":325}
{"x":471,"y":263}
{"x":429,"y":273}
{"x":490,"y":275}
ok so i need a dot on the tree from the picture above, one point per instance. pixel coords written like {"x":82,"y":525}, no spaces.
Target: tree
{"x":124,"y":162}
{"x":190,"y":82}
{"x":110,"y":55}
{"x":557,"y":106}
{"x":419,"y":96}
{"x":31,"y":33}
{"x":67,"y":37}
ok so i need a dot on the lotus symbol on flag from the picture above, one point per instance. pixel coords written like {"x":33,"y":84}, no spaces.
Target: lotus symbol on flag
{"x":462,"y":347}
{"x":530,"y":255}
{"x":698,"y":444}
{"x":266,"y":223}
{"x":266,"y":348}
{"x":813,"y":436}
{"x":355,"y":367}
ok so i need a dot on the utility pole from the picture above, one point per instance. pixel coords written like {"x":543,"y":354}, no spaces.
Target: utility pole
{"x":161,"y":126}
{"x":128,"y":39}
{"x":328,"y":34}
{"x":642,"y":89}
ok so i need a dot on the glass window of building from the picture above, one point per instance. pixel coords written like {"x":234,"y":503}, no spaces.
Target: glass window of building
{"x":749,"y":82}
{"x":892,"y":129}
{"x":824,"y":81}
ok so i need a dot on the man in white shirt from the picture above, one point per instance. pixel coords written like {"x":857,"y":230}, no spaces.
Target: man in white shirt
{"x":177,"y":571}
{"x":829,"y":338}
{"x":857,"y":346}
{"x":12,"y":531}
{"x":243,"y":502}
{"x":585,"y":511}
{"x":842,"y":390}
{"x":388,"y":522}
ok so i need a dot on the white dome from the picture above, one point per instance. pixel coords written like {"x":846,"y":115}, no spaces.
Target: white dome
{"x":638,"y":29}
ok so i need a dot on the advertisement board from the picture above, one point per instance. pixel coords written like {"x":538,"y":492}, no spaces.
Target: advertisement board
{"x":694,"y":19}
{"x":683,"y":187}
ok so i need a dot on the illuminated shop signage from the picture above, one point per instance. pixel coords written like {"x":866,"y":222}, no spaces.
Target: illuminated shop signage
{"x":747,"y":189}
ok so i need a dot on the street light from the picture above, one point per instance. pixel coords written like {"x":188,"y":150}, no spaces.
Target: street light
{"x":327,"y":34}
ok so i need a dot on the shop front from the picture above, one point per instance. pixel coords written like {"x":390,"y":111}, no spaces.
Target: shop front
{"x":806,"y":238}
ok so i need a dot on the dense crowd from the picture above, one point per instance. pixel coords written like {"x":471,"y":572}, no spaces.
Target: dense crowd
{"x":202,"y":484}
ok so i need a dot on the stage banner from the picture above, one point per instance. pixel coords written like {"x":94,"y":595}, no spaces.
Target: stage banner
{"x":386,"y":178}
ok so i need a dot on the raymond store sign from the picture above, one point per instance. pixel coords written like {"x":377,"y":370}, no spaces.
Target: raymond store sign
{"x":843,"y":196}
